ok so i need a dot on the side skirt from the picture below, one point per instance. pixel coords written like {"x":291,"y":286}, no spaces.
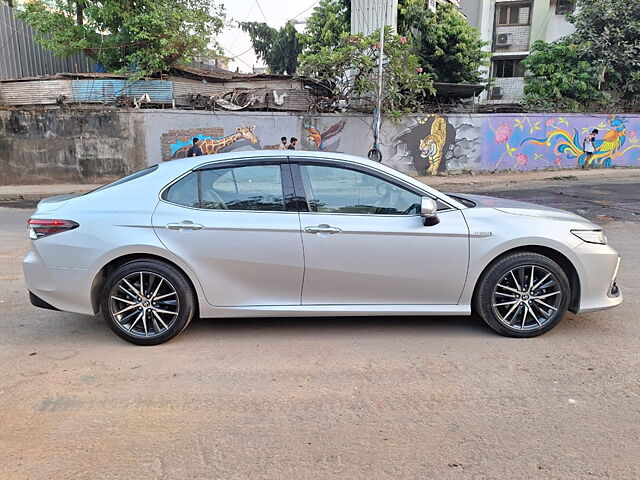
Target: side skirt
{"x":332,"y":310}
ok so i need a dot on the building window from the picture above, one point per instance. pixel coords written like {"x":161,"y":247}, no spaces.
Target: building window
{"x":508,"y":68}
{"x":565,"y":6}
{"x":510,"y":14}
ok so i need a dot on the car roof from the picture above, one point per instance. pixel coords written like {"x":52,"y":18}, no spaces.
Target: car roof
{"x":194,"y":162}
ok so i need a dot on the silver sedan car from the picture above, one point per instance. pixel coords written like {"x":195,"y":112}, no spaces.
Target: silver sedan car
{"x":270,"y":233}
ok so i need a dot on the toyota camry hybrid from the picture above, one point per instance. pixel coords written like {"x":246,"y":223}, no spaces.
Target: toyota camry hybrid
{"x":273,"y":233}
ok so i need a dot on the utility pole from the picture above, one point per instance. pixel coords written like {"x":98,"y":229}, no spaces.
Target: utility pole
{"x":374,"y":153}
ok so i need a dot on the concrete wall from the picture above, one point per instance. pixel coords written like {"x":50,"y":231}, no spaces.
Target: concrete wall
{"x":422,"y":144}
{"x":38,"y":146}
{"x":78,"y":146}
{"x":511,"y":89}
{"x":545,"y":25}
{"x":556,"y":25}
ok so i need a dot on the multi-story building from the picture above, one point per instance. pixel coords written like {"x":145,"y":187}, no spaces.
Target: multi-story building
{"x":367,"y":15}
{"x":511,"y":27}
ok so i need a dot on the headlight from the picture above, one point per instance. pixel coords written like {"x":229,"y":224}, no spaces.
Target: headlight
{"x":591,"y":236}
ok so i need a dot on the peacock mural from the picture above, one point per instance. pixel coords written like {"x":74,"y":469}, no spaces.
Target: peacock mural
{"x":530,"y":142}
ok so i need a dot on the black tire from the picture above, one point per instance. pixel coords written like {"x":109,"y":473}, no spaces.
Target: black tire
{"x":527,"y":313}
{"x":161,"y":320}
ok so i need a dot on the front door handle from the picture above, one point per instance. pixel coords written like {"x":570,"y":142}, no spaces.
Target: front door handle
{"x":322,"y":228}
{"x":185,"y":225}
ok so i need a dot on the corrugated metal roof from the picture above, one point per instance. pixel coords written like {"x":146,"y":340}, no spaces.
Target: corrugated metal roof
{"x":21,"y":56}
{"x":107,"y":90}
{"x":160,"y":91}
{"x":39,"y":92}
{"x":289,"y":100}
{"x":183,"y":87}
{"x":222,"y":75}
{"x":66,"y":76}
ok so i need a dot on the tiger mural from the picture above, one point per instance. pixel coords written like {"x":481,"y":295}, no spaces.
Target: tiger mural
{"x":432,"y":146}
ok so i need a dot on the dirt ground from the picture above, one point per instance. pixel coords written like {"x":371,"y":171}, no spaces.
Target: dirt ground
{"x":317,"y":398}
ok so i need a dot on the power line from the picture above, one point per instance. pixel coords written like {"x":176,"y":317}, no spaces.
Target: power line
{"x":245,"y":19}
{"x":246,"y":51}
{"x":262,"y":12}
{"x":236,"y":56}
{"x":305,"y":10}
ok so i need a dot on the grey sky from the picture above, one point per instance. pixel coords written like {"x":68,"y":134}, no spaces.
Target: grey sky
{"x":277,"y":12}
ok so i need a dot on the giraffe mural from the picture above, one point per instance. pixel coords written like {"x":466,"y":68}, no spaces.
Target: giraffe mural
{"x":210,"y":145}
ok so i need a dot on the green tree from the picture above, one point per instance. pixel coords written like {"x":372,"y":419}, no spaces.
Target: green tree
{"x":141,"y":35}
{"x":328,"y":21}
{"x":559,"y":78}
{"x":608,"y":35}
{"x":350,"y":72}
{"x":279,"y":49}
{"x":446,"y":44}
{"x":596,"y":67}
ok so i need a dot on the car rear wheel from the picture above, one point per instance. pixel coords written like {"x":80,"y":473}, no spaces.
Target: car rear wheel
{"x":147,"y":302}
{"x":523,"y":295}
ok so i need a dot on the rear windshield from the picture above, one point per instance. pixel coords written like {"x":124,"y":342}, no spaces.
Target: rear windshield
{"x":128,"y":178}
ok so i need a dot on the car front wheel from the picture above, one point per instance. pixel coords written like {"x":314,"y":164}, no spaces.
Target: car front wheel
{"x":147,"y":302}
{"x":523,"y":295}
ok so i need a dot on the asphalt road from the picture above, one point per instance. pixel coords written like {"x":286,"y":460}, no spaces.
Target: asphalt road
{"x":316,"y":398}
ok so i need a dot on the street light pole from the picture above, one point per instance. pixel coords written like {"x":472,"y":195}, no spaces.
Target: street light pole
{"x":374,"y":153}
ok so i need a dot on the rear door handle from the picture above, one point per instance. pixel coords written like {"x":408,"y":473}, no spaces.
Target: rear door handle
{"x":185,"y":225}
{"x":323,"y":228}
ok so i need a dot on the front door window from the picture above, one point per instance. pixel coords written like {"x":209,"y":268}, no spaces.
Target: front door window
{"x":341,"y":190}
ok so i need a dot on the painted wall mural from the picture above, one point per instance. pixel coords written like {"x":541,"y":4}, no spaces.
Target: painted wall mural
{"x":321,"y":140}
{"x":210,"y":145}
{"x":428,"y":144}
{"x":533,"y":142}
{"x":423,"y":145}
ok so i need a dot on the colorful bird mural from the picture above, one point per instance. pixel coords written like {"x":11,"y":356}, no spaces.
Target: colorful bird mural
{"x":319,"y":139}
{"x":610,"y":146}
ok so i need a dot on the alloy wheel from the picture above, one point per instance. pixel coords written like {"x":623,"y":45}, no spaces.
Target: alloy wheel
{"x":527,"y":297}
{"x":144,"y":304}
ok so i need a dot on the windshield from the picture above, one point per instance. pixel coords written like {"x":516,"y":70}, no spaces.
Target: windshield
{"x":128,"y":178}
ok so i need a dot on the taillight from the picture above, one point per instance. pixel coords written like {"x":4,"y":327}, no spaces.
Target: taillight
{"x":39,"y":228}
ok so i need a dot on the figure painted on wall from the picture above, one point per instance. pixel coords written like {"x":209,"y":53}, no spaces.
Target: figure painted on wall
{"x":209,"y":145}
{"x":432,"y":146}
{"x":605,"y":152}
{"x":320,"y":139}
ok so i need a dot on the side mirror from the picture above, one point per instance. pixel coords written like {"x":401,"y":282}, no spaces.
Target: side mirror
{"x":428,"y":211}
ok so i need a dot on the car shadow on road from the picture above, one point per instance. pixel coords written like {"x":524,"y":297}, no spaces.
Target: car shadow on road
{"x":454,"y":325}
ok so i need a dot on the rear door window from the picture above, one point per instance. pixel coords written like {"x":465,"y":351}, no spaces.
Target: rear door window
{"x":250,"y":187}
{"x":184,"y":191}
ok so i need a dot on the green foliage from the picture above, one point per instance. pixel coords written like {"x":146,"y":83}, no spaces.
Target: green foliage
{"x":608,"y":34}
{"x":350,"y":70}
{"x":279,"y":49}
{"x":559,"y":78}
{"x":141,"y":35}
{"x":446,"y":44}
{"x":596,"y":67}
{"x":328,"y":21}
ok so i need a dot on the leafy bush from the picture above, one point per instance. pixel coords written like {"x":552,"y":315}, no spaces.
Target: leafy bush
{"x":350,"y":70}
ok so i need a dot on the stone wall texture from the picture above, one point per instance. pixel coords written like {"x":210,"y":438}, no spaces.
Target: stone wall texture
{"x":76,"y":146}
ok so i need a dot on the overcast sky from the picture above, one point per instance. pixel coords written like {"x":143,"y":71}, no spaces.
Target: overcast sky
{"x":274,"y":12}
